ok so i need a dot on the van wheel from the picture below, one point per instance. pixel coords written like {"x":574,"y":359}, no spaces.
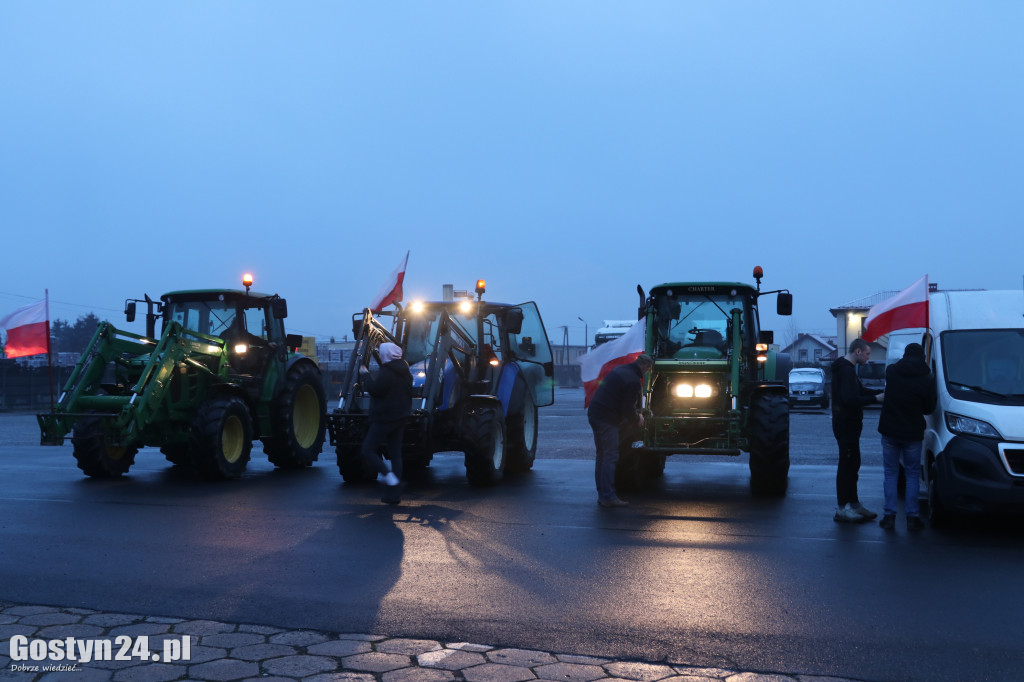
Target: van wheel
{"x":938,"y":514}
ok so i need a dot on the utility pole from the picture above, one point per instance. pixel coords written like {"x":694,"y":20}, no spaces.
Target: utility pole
{"x":586,"y":334}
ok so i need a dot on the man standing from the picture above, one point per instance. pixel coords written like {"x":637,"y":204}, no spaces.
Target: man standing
{"x":910,"y":394}
{"x":614,"y":407}
{"x":849,"y":396}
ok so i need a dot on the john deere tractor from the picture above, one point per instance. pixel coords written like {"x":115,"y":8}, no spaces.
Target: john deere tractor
{"x":717,"y":387}
{"x":480,"y":371}
{"x":221,"y":374}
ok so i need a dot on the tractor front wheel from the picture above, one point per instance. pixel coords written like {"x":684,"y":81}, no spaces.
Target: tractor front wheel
{"x":522,"y":429}
{"x":484,"y":432}
{"x":222,"y":438}
{"x":95,"y":457}
{"x":769,"y":444}
{"x":298,"y":420}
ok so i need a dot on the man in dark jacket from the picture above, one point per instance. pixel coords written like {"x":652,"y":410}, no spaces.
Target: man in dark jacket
{"x":849,"y":396}
{"x":909,"y":395}
{"x":613,"y":407}
{"x":390,"y":405}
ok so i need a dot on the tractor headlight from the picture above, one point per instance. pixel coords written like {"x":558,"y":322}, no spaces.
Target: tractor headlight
{"x":465,"y":307}
{"x":241,"y":348}
{"x":417,"y":306}
{"x":694,"y":390}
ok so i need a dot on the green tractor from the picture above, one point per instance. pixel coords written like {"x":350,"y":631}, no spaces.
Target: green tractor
{"x":222,"y":374}
{"x":717,"y":386}
{"x":480,"y":371}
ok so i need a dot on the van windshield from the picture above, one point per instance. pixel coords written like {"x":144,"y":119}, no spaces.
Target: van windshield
{"x":985,"y":365}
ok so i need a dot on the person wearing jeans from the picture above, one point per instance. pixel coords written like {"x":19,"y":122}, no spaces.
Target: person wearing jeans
{"x":909,"y":395}
{"x":613,"y":408}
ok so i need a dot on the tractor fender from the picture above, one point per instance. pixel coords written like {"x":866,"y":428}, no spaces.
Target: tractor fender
{"x":506,"y":386}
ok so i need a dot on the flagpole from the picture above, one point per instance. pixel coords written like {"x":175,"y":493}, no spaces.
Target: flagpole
{"x":49,"y":355}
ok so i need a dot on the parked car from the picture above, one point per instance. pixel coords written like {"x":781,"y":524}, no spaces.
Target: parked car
{"x":807,"y":386}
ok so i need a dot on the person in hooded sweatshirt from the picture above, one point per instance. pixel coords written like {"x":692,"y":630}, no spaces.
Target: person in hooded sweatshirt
{"x":390,"y":405}
{"x":910,"y":394}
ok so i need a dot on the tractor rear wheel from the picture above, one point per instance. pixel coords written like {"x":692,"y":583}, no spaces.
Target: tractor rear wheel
{"x":769,"y":444}
{"x":222,"y":438}
{"x":484,"y":433}
{"x":298,"y":420}
{"x":95,"y":457}
{"x":522,"y":429}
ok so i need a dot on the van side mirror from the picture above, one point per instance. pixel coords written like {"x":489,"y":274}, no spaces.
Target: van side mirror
{"x":129,"y":311}
{"x":279,"y":307}
{"x":784,"y":303}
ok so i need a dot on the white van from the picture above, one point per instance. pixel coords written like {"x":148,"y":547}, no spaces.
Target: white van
{"x":973,"y":455}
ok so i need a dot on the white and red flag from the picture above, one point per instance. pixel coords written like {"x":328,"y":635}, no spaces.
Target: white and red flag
{"x":606,"y":357}
{"x":392,"y":289}
{"x":905,"y":310}
{"x":28,"y":330}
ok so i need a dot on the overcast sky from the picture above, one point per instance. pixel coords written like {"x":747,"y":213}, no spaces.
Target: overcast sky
{"x":565,"y":151}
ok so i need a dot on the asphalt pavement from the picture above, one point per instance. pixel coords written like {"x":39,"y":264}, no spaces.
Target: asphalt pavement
{"x":297,"y":576}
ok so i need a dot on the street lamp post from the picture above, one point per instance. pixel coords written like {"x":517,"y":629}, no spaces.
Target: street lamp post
{"x":586,"y":333}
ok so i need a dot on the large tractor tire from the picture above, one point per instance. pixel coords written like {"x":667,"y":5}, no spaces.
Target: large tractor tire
{"x":522,"y":429}
{"x":222,"y":438}
{"x":351,"y":465}
{"x":96,"y":458}
{"x":298,"y":420}
{"x":769,"y":444}
{"x":484,"y":434}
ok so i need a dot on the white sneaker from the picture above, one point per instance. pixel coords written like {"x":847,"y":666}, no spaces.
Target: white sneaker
{"x":391,"y":479}
{"x":847,"y":514}
{"x":865,"y":512}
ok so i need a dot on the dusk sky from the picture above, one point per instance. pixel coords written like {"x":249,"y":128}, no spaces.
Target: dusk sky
{"x":565,"y":151}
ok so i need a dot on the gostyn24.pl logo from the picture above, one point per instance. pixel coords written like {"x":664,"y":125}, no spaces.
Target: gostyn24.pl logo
{"x":41,"y":655}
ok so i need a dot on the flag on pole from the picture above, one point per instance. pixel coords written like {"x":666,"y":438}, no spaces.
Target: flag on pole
{"x":606,"y":357}
{"x":392,"y":289}
{"x":28,"y":330}
{"x":905,"y":310}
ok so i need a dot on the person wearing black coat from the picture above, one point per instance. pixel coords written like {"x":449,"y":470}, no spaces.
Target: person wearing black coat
{"x":849,"y":397}
{"x":390,"y":406}
{"x":613,"y":407}
{"x":910,"y":394}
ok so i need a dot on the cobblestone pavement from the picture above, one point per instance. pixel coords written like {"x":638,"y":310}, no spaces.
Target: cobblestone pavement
{"x":221,"y":652}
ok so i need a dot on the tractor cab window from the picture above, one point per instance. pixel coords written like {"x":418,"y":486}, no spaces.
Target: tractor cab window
{"x":530,"y":347}
{"x":698,"y":323}
{"x":205,"y":317}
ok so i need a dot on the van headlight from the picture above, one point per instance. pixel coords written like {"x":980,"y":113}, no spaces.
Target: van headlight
{"x":970,"y":427}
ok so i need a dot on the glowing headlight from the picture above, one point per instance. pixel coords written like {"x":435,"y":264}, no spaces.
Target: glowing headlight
{"x":241,"y":348}
{"x":417,"y":306}
{"x":690,"y":391}
{"x":465,"y":307}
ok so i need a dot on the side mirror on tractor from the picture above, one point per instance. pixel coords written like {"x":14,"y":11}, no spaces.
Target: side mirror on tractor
{"x":279,"y":307}
{"x":784,"y":303}
{"x":514,"y":321}
{"x":129,"y":311}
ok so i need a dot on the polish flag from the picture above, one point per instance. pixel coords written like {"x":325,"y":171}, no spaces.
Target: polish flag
{"x":28,"y":330}
{"x":606,"y":357}
{"x":905,"y":310}
{"x":392,"y":290}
